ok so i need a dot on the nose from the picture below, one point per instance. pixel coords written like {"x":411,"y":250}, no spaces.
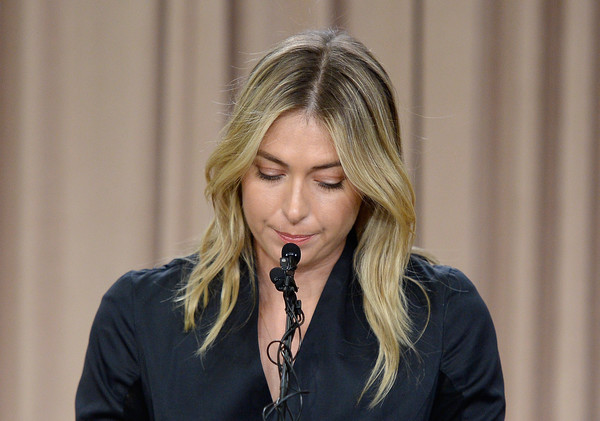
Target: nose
{"x":296,"y":204}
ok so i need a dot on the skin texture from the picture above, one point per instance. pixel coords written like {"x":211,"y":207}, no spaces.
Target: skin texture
{"x":296,"y":191}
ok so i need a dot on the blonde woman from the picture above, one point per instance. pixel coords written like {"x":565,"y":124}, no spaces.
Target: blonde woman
{"x":312,"y":156}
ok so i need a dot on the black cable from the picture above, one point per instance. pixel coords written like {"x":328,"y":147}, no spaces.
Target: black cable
{"x":283,"y":278}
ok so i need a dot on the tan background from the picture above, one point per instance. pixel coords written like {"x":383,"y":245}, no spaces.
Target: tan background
{"x":109,"y":109}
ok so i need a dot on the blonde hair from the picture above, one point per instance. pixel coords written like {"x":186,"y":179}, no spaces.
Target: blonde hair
{"x":334,"y":78}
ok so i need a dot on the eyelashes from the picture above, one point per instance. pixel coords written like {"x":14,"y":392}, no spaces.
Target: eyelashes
{"x":267,"y":177}
{"x":332,"y":186}
{"x":273,"y":178}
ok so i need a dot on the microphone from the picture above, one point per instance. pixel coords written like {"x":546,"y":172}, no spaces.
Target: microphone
{"x":290,"y":256}
{"x":277,"y":276}
{"x":289,"y":387}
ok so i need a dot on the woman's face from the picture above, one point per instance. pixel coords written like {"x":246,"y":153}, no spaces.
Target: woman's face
{"x":297,"y":192}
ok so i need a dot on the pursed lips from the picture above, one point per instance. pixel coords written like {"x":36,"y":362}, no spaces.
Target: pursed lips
{"x":294,"y":238}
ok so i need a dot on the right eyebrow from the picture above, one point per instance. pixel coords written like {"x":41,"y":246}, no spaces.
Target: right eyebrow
{"x":272,"y":158}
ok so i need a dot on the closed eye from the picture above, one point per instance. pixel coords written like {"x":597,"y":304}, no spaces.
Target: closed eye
{"x":267,"y":177}
{"x":332,"y":186}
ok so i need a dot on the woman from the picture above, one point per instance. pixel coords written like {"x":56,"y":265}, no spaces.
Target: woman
{"x":311,"y":155}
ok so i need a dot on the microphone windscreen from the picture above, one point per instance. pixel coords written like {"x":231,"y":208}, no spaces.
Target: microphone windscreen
{"x":277,"y":276}
{"x":291,"y":250}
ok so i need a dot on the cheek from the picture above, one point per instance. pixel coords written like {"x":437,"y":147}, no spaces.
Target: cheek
{"x":352,"y":214}
{"x":256,"y":202}
{"x":249,"y":196}
{"x":344,"y":212}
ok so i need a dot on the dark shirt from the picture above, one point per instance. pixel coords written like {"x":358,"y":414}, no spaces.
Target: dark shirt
{"x":141,"y":365}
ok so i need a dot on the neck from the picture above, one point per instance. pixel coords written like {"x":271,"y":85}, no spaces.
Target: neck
{"x":310,"y":282}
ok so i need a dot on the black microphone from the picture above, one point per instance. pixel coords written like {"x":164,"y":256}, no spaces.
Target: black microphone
{"x":277,"y":276}
{"x":283,"y":279}
{"x":290,"y":256}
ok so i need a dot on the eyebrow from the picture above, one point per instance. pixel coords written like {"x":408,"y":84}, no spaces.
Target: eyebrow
{"x":278,"y":161}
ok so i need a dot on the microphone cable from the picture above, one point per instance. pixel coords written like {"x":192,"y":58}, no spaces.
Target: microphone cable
{"x":283,"y":279}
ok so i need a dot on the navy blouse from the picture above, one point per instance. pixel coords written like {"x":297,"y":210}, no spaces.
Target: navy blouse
{"x":141,"y":365}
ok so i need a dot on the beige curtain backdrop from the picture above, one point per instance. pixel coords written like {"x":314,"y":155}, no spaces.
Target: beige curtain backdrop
{"x":108,"y":110}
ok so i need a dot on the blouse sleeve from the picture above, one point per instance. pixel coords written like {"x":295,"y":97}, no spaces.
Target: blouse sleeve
{"x":110,"y":387}
{"x":471,"y":385}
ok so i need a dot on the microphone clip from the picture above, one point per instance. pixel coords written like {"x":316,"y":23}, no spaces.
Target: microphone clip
{"x":288,"y":264}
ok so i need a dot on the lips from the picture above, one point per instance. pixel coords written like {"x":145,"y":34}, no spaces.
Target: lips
{"x":291,"y":238}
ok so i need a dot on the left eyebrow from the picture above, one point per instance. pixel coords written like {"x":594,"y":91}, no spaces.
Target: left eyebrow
{"x":329,"y":165}
{"x":278,"y":161}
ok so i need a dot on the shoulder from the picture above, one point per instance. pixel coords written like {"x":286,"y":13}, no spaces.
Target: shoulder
{"x":471,"y":383}
{"x":444,"y":284}
{"x":437,"y":276}
{"x":138,"y":294}
{"x":140,"y":300}
{"x":455,"y":304}
{"x":136,"y":310}
{"x":145,"y":284}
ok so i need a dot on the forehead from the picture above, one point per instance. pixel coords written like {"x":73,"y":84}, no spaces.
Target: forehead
{"x":298,"y":134}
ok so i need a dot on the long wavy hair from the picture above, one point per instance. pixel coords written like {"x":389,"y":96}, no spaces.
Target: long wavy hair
{"x":334,"y":78}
